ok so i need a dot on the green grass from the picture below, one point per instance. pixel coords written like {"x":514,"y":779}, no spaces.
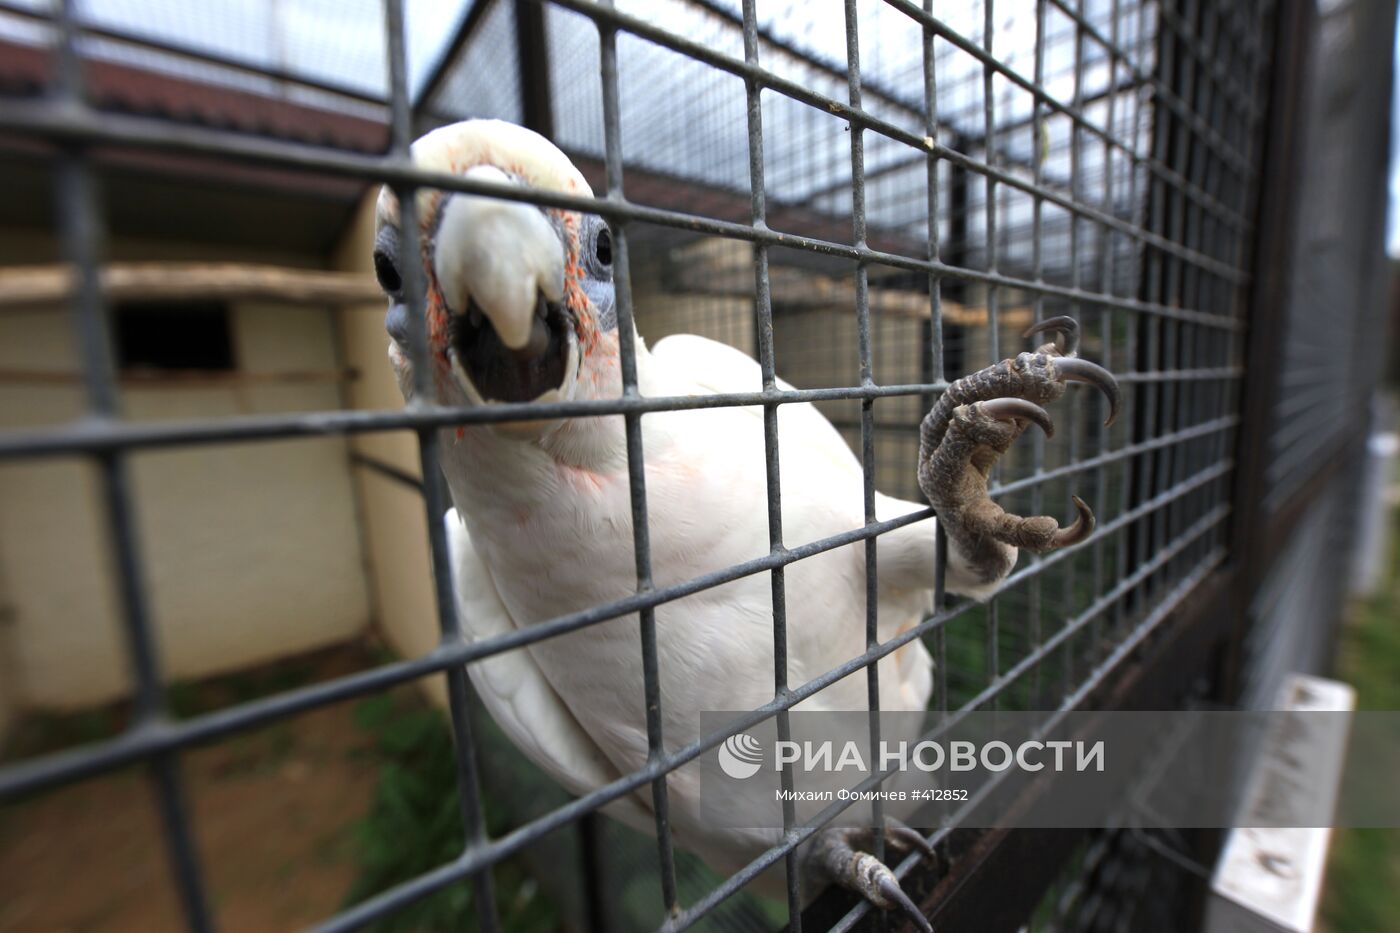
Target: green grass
{"x":1363,"y":872}
{"x":415,"y":825}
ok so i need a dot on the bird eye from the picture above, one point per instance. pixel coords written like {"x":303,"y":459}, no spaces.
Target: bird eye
{"x":386,"y":273}
{"x":602,"y":247}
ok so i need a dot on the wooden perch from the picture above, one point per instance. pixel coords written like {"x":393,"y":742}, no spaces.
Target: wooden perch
{"x":49,"y":285}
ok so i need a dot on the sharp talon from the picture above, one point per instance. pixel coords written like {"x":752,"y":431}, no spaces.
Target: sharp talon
{"x":1083,"y":526}
{"x":835,"y":855}
{"x":1066,"y":330}
{"x":1095,"y":375}
{"x":907,"y":838}
{"x":1010,"y":409}
{"x":894,"y":894}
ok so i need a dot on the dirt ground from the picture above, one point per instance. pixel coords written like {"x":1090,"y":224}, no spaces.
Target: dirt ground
{"x":273,"y":809}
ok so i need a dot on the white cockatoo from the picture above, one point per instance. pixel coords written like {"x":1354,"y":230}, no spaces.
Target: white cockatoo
{"x":520,"y":307}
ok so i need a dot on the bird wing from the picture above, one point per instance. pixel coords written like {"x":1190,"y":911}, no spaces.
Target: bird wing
{"x":516,"y":692}
{"x":907,"y":553}
{"x":714,"y":367}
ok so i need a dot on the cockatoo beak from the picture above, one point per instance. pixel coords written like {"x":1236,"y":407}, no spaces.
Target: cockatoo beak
{"x":500,"y":268}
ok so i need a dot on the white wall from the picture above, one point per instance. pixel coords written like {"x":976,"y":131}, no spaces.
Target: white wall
{"x":251,"y":551}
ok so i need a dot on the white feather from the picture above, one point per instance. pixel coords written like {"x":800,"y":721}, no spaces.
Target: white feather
{"x":516,"y":694}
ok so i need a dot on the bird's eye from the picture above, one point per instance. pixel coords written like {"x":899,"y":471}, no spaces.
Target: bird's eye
{"x":602,"y":247}
{"x":386,"y":273}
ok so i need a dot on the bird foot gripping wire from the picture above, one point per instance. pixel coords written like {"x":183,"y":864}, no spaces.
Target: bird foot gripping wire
{"x":841,"y":855}
{"x":976,"y":421}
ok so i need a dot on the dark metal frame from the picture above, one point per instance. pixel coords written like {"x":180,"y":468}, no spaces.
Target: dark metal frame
{"x":1172,"y":521}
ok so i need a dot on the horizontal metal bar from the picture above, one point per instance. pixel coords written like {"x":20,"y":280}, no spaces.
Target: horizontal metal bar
{"x":96,"y":435}
{"x":1074,"y":112}
{"x":1100,"y":605}
{"x":767,"y":37}
{"x":1200,"y":374}
{"x":1239,"y":98}
{"x":203,"y":56}
{"x":1042,"y":476}
{"x":1159,"y":501}
{"x":857,"y":117}
{"x":93,"y":435}
{"x":963,"y":44}
{"x":78,"y":125}
{"x":1227,"y":153}
{"x":1203,"y":199}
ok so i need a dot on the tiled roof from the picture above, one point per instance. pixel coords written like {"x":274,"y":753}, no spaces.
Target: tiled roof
{"x":25,"y":71}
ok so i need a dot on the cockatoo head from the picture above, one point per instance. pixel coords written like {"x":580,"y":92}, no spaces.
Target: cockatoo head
{"x":519,"y":296}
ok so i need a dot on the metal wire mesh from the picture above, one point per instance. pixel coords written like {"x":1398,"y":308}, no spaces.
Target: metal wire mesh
{"x":872,"y":210}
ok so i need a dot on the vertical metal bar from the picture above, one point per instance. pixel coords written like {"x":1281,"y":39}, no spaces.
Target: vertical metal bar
{"x":1147,"y":420}
{"x":81,"y":234}
{"x":940,"y":644}
{"x":1130,"y":359}
{"x":989,"y":183}
{"x":636,"y":463}
{"x":1268,"y":248}
{"x":593,"y":856}
{"x":532,"y":48}
{"x":763,"y":314}
{"x":435,"y":500}
{"x":959,"y":211}
{"x":935,"y":351}
{"x":1106,"y":286}
{"x":1069,"y":578}
{"x":993,"y":632}
{"x":1034,"y":613}
{"x":1199,"y":235}
{"x":867,"y":405}
{"x":1218,"y":347}
{"x":1171,"y":459}
{"x":935,"y":282}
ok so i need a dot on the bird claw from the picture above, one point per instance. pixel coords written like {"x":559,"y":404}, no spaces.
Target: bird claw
{"x":976,"y":421}
{"x":1083,"y":526}
{"x":838,"y":855}
{"x":1065,"y":329}
{"x":1077,"y":370}
{"x":907,"y":839}
{"x":1014,"y":409}
{"x":889,"y":887}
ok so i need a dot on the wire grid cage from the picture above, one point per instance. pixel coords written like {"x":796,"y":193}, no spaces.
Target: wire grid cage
{"x":872,"y":199}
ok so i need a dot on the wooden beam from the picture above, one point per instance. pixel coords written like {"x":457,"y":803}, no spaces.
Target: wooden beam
{"x":185,"y":378}
{"x":716,"y":269}
{"x":49,"y":285}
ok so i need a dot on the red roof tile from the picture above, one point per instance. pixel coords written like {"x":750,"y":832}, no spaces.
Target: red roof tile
{"x":25,"y":70}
